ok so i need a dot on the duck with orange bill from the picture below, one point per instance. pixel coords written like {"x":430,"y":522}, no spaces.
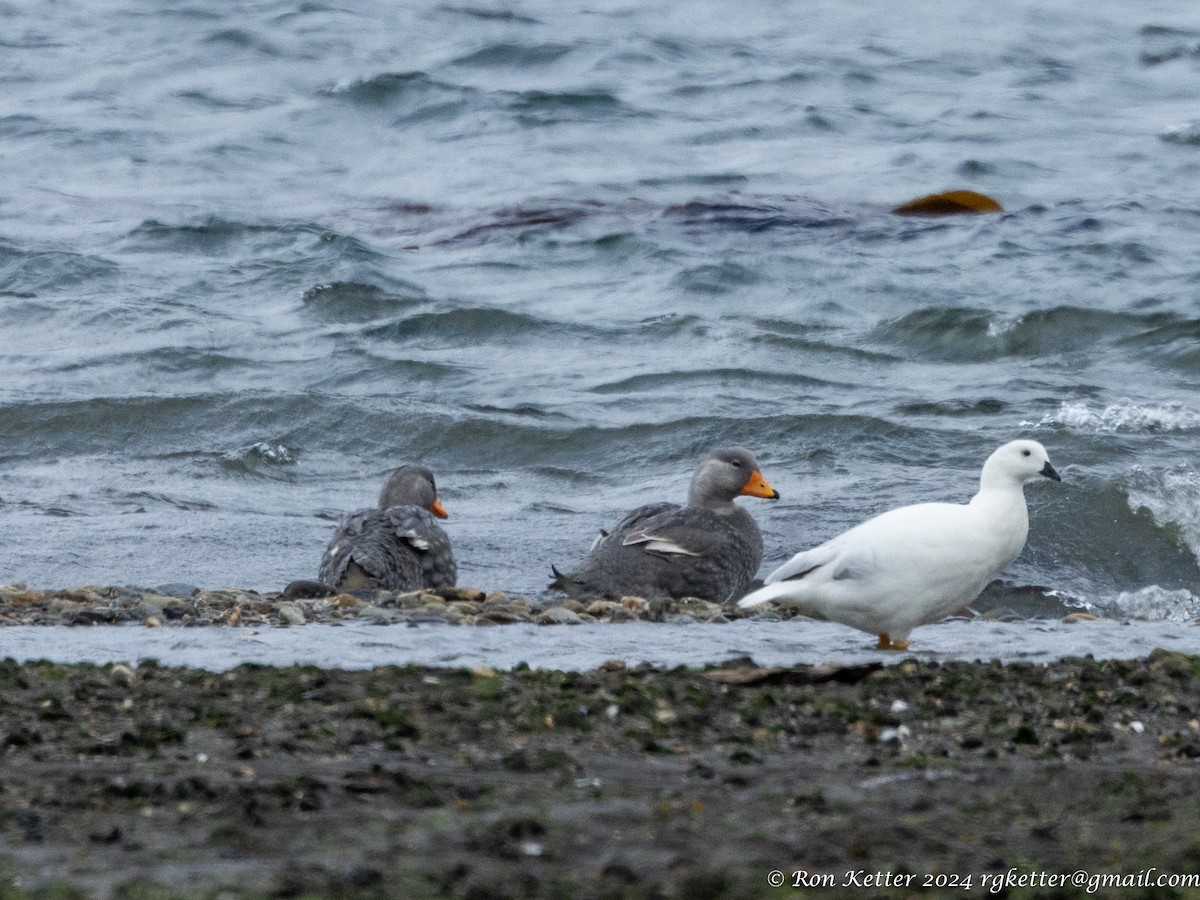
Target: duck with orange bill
{"x":399,"y":545}
{"x":710,"y":548}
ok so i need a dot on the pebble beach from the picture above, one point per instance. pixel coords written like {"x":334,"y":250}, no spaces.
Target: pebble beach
{"x":901,"y":776}
{"x":624,"y":781}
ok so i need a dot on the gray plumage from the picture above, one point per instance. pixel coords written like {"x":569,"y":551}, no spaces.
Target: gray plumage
{"x":710,"y":548}
{"x":398,"y":546}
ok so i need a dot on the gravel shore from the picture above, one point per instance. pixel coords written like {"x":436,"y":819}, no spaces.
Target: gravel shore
{"x":152,"y":782}
{"x":184,"y":605}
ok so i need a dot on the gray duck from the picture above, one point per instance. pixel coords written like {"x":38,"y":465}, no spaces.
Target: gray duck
{"x":711,"y":548}
{"x":398,"y":546}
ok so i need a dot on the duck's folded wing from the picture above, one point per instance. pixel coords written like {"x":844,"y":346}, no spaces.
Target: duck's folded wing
{"x":681,"y":533}
{"x":416,"y":530}
{"x":355,"y":540}
{"x":637,"y":519}
{"x":414,"y":526}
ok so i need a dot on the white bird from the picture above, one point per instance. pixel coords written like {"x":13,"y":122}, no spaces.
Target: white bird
{"x":916,"y":564}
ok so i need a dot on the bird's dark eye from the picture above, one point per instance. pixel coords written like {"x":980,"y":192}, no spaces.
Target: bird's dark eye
{"x":1027,"y":453}
{"x":736,"y":463}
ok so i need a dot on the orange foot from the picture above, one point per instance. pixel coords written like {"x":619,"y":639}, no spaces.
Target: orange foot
{"x":886,"y":643}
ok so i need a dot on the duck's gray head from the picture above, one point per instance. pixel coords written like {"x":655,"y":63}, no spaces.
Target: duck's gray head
{"x":412,"y":485}
{"x":723,"y":474}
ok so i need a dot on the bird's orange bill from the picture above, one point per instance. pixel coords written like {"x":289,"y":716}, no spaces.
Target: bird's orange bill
{"x":756,"y":486}
{"x":438,"y":510}
{"x":949,"y":203}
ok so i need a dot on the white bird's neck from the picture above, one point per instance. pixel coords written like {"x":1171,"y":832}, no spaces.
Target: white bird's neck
{"x":1003,"y":504}
{"x":999,"y":490}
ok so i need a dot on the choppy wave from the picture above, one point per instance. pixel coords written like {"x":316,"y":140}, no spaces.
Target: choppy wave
{"x":1153,"y":604}
{"x":31,"y":272}
{"x":1125,"y":416}
{"x":259,"y":458}
{"x":1176,"y":342}
{"x":350,"y":301}
{"x":474,"y":325}
{"x":411,"y":89}
{"x":1173,"y":499}
{"x":694,"y":379}
{"x":1187,"y":133}
{"x":1164,"y":43}
{"x":979,"y":334}
{"x":506,"y":54}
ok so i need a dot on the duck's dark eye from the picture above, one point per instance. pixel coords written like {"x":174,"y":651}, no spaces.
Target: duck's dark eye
{"x":736,"y":463}
{"x":1027,"y":453}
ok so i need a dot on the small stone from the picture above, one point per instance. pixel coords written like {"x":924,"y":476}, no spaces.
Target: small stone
{"x":291,"y":614}
{"x":175,"y":590}
{"x":635,"y":604}
{"x":122,"y":674}
{"x":454,"y":612}
{"x":162,"y":602}
{"x":897,"y":735}
{"x":1072,"y":618}
{"x":153,"y":622}
{"x":500,"y":617}
{"x":613,"y":665}
{"x":378,"y":614}
{"x":430,"y":612}
{"x":407,"y":600}
{"x":701,"y":610}
{"x":558,"y":615}
{"x":463,"y":594}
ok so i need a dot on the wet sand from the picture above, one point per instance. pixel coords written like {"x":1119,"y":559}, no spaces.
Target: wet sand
{"x":613,"y":783}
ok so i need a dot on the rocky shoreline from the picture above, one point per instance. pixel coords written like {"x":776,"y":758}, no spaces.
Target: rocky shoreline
{"x":183,"y":605}
{"x":919,"y":778}
{"x":154,"y":782}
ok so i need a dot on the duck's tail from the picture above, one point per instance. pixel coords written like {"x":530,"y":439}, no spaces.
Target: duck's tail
{"x":567,"y":584}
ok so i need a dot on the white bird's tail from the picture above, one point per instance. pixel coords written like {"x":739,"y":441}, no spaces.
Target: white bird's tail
{"x":767,"y":593}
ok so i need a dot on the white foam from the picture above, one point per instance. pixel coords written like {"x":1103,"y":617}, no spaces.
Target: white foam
{"x":1154,"y":604}
{"x":1183,"y":133}
{"x":273,"y":453}
{"x":1172,"y":498}
{"x":1123,"y":416}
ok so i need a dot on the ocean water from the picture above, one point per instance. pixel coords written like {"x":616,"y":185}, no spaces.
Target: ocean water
{"x":254,"y":255}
